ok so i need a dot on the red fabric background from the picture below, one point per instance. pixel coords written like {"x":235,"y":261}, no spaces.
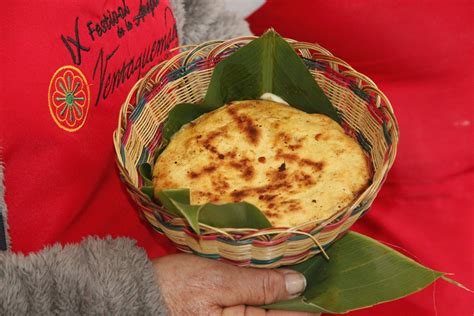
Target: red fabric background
{"x":420,"y":53}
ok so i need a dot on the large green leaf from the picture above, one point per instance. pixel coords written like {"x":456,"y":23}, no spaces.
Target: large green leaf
{"x":230,"y":215}
{"x":267,"y":64}
{"x":361,"y":272}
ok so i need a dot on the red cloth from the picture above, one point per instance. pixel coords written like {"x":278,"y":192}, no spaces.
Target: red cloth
{"x":60,"y":176}
{"x":420,"y":54}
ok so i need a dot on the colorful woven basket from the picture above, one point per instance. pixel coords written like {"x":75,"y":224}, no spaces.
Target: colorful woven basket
{"x":366,"y":113}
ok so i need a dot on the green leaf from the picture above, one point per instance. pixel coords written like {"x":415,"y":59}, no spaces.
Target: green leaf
{"x":233,"y":215}
{"x":445,"y":278}
{"x":361,"y":272}
{"x":160,"y":149}
{"x":146,"y":173}
{"x":190,"y":212}
{"x":148,"y":190}
{"x":180,"y":115}
{"x":169,"y":197}
{"x":230,"y":215}
{"x":267,"y":64}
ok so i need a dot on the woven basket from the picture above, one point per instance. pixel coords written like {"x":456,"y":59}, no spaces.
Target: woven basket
{"x":366,"y":113}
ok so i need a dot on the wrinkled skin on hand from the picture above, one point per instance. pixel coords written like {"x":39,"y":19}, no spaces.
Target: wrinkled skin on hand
{"x":191,"y":285}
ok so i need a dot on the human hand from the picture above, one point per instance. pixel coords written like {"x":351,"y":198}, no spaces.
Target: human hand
{"x":191,"y":285}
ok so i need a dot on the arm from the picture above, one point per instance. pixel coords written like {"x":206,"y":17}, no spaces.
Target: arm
{"x":98,"y":277}
{"x":114,"y":277}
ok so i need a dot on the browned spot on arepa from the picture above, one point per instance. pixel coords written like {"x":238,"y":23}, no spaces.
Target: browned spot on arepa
{"x":245,"y":124}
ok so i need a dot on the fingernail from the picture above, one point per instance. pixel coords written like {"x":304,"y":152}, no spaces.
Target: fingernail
{"x":295,"y":282}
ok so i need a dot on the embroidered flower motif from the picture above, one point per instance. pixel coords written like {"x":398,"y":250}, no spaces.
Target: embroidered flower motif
{"x":69,"y":98}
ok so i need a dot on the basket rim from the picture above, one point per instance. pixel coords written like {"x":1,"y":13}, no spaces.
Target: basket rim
{"x":338,"y":65}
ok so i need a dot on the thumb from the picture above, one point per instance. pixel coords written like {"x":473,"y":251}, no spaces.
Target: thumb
{"x":262,"y":286}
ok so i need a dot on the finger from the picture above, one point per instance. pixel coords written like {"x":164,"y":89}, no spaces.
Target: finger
{"x":242,"y":310}
{"x":287,"y":313}
{"x":255,"y":311}
{"x":261,"y":286}
{"x":238,"y":310}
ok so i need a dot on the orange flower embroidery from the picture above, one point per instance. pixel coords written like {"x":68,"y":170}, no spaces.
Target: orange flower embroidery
{"x":69,"y":98}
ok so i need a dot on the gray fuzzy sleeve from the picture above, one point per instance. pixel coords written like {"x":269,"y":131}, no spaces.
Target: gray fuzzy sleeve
{"x":203,"y":20}
{"x":96,"y":277}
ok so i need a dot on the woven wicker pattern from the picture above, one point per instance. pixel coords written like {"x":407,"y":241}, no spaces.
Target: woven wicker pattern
{"x":367,"y":116}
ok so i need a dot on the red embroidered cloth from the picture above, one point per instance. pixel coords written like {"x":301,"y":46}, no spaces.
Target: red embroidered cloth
{"x":67,"y":66}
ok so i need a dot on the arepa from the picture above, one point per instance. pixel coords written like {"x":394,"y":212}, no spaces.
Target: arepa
{"x":294,"y":166}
